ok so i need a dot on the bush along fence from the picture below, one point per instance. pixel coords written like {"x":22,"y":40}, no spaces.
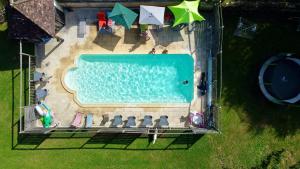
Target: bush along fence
{"x":2,"y":15}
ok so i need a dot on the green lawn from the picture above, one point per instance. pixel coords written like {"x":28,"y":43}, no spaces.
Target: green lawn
{"x":252,"y":129}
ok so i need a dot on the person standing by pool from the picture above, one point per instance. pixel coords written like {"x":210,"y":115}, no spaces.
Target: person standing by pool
{"x":152,"y":51}
{"x":165,"y":51}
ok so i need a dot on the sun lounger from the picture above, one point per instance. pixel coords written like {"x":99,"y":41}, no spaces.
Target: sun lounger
{"x":40,"y":77}
{"x":105,"y":119}
{"x":147,"y":121}
{"x":37,"y":76}
{"x":42,"y":109}
{"x":41,"y":94}
{"x":130,"y":122}
{"x":117,"y":120}
{"x":89,"y":120}
{"x":81,"y":28}
{"x":77,"y":120}
{"x":163,"y":121}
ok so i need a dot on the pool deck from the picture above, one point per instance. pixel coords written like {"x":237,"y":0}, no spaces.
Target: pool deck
{"x":55,"y":62}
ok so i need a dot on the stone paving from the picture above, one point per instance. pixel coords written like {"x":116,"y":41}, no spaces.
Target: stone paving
{"x":55,"y":62}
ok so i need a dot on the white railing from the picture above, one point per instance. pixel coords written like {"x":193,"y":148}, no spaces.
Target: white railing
{"x":24,"y":57}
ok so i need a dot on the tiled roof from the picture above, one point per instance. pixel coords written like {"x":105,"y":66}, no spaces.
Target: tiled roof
{"x":40,"y":12}
{"x":22,"y":28}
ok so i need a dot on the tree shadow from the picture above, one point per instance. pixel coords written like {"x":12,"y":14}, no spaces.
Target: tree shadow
{"x":278,"y":159}
{"x":242,"y":59}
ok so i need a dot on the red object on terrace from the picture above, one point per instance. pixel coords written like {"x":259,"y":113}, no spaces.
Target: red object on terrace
{"x":101,"y":19}
{"x":168,"y":16}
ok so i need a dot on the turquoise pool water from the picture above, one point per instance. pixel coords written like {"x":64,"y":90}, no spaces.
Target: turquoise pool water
{"x":140,"y":78}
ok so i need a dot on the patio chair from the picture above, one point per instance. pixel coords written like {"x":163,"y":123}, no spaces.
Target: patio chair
{"x":89,"y":120}
{"x":41,"y":94}
{"x":147,"y":121}
{"x":117,"y":121}
{"x":77,"y":120}
{"x":81,"y":28}
{"x":163,"y":121}
{"x":101,"y":16}
{"x":130,"y":122}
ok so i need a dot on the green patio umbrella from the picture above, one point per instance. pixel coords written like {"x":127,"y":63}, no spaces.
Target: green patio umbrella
{"x":186,"y":12}
{"x":122,"y":15}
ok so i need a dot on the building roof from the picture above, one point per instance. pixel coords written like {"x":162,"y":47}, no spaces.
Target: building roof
{"x":20,"y":27}
{"x":40,"y":12}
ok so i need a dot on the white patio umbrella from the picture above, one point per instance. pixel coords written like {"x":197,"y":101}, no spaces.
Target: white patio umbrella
{"x":151,"y":15}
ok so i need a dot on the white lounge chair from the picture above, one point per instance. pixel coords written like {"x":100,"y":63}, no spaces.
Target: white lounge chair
{"x":117,"y":121}
{"x":131,"y":121}
{"x":163,"y":121}
{"x":41,"y":94}
{"x":147,"y":121}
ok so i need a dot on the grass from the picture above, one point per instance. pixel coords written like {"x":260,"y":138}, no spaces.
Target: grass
{"x":252,"y":129}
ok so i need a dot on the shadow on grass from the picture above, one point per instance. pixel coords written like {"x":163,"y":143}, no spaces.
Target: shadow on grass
{"x":117,"y":141}
{"x":9,"y":57}
{"x":242,"y":59}
{"x":279,"y":159}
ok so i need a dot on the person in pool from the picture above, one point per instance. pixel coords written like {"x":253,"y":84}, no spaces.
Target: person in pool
{"x":185,"y":82}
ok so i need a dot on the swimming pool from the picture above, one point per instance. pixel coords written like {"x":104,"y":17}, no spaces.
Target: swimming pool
{"x":139,"y":78}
